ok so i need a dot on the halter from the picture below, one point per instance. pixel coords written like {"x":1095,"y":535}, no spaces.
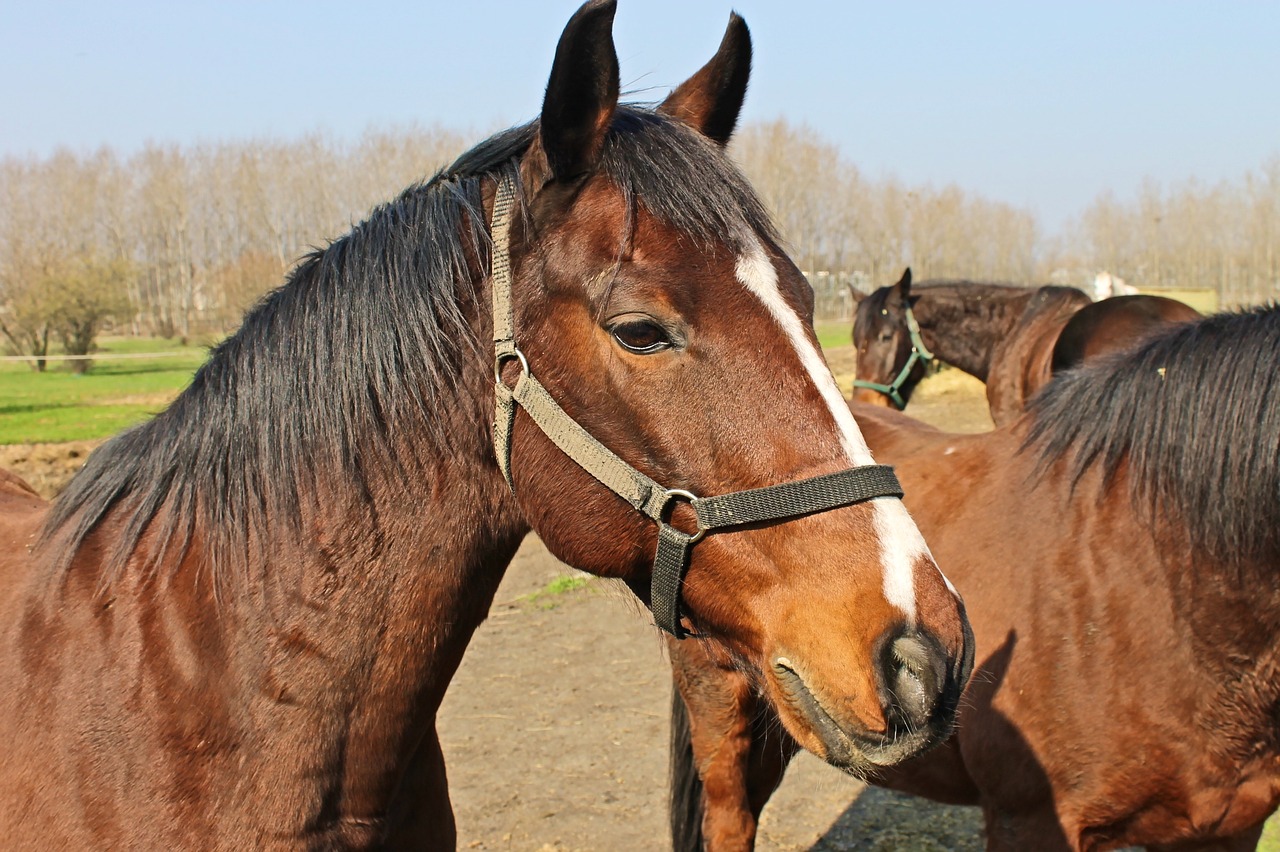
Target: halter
{"x":919,"y":352}
{"x":752,"y":506}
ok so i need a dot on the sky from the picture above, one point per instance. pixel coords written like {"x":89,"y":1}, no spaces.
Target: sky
{"x":1040,"y":104}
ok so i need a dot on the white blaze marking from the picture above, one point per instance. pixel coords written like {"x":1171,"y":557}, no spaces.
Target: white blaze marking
{"x":900,"y":539}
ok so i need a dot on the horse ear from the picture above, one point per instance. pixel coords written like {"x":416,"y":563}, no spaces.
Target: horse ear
{"x":904,"y":283}
{"x":582,"y":93}
{"x":711,"y":100}
{"x":857,"y":294}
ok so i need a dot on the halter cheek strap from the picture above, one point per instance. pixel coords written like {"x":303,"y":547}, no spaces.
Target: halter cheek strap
{"x":753,"y":506}
{"x":919,"y":352}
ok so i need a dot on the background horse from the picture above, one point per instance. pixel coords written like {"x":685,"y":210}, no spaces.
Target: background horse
{"x":1117,"y":549}
{"x":1011,"y":338}
{"x":1106,"y":286}
{"x":1001,"y":334}
{"x":237,"y":624}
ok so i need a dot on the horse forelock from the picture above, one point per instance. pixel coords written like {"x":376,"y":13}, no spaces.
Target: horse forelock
{"x":368,"y":333}
{"x":1192,"y":416}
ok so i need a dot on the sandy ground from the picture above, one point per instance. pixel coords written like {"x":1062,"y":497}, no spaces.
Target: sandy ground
{"x":555,"y":728}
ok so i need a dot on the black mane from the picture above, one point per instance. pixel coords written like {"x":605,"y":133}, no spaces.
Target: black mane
{"x":368,"y":334}
{"x":1194,"y":414}
{"x":968,"y":295}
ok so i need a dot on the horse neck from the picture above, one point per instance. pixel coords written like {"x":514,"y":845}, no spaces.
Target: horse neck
{"x":963,"y":324}
{"x":327,"y":661}
{"x":390,"y":613}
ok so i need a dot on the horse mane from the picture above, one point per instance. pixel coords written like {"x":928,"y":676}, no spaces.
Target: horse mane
{"x":965,"y":289}
{"x":1194,"y":415}
{"x":367,"y":334}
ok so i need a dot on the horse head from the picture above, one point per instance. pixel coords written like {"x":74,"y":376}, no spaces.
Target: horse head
{"x":652,"y":300}
{"x":891,"y":356}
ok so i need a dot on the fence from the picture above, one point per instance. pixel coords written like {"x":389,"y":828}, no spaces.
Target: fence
{"x":831,"y":297}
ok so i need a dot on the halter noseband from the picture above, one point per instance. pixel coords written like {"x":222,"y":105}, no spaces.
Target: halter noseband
{"x":919,"y":352}
{"x":753,"y":506}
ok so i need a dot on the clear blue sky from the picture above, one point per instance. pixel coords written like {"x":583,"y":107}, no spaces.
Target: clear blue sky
{"x":1037,"y":103}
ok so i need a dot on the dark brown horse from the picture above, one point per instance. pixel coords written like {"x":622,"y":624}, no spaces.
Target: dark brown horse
{"x":1120,"y":322}
{"x":1117,"y":547}
{"x":235,"y":628}
{"x":1002,"y":334}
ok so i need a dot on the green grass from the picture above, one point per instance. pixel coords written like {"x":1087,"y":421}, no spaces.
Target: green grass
{"x":834,"y":333}
{"x":1270,"y":841}
{"x":59,"y":405}
{"x":553,"y":594}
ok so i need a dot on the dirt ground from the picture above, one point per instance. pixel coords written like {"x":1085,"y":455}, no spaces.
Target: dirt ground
{"x":555,"y":728}
{"x":46,"y":467}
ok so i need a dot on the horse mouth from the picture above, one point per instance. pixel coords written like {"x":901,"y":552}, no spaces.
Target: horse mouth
{"x":870,"y":397}
{"x":854,"y":750}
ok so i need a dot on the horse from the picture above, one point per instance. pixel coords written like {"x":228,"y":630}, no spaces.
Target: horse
{"x":1115,"y":323}
{"x":235,"y":627}
{"x":1117,"y":548}
{"x":1002,"y":334}
{"x":1106,"y":286}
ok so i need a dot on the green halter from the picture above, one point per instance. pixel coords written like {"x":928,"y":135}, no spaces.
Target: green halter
{"x":919,"y":352}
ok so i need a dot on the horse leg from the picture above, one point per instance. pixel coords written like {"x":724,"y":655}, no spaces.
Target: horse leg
{"x":1040,"y":830}
{"x":426,"y":820}
{"x":771,"y":751}
{"x":726,"y":756}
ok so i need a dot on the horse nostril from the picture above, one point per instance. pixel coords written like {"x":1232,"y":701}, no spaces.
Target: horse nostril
{"x":914,"y":679}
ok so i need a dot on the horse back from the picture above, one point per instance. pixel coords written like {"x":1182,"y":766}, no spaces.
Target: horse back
{"x":890,"y":434}
{"x":1114,"y":325}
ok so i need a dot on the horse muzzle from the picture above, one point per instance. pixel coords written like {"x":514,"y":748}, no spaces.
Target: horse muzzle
{"x":918,"y":693}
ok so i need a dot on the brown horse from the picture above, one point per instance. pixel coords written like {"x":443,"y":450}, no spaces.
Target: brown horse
{"x":235,"y":628}
{"x":1117,"y":547}
{"x":1120,"y":322}
{"x":1002,"y":334}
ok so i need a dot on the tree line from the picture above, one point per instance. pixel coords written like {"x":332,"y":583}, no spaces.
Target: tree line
{"x":176,"y":241}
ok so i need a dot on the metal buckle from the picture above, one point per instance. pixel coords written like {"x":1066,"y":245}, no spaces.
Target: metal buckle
{"x":499,"y":360}
{"x":673,"y":494}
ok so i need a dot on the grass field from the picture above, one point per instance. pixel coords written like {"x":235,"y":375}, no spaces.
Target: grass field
{"x":835,"y":333}
{"x":59,"y":405}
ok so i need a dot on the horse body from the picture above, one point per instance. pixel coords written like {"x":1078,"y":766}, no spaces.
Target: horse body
{"x":296,"y":712}
{"x":1115,"y":323}
{"x":235,"y":627}
{"x":1122,"y":530}
{"x":1149,"y":730}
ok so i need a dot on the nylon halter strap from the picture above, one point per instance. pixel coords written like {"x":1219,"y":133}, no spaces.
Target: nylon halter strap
{"x":919,"y":352}
{"x":753,"y":506}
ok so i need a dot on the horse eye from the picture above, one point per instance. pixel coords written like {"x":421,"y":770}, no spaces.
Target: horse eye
{"x":641,"y":337}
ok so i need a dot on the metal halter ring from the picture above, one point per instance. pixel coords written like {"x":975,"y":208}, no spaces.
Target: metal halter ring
{"x":673,"y":494}
{"x":499,"y":360}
